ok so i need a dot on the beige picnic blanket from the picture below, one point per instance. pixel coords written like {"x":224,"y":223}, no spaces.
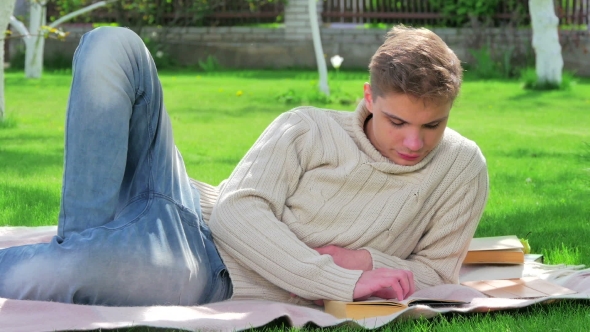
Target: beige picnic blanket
{"x":17,"y":315}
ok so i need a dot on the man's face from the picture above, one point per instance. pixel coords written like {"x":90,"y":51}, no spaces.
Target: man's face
{"x":404,"y":128}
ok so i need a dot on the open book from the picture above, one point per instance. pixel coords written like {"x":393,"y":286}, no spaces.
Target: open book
{"x":495,"y":250}
{"x":379,"y":307}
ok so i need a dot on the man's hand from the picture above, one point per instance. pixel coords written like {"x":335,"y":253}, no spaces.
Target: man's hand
{"x":348,"y":259}
{"x":385,"y":283}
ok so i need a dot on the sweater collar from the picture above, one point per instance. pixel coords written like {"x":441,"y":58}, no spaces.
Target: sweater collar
{"x":378,"y":161}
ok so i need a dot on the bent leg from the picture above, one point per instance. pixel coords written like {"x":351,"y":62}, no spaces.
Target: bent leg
{"x":130,"y":228}
{"x":118,"y":136}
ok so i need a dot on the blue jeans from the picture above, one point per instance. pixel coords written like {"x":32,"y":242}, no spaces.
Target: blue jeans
{"x":130,"y":227}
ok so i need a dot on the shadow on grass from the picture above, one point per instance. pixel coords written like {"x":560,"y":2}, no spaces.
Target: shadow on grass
{"x":29,"y":138}
{"x":532,"y":95}
{"x":535,"y":153}
{"x":585,"y":154}
{"x":217,"y":114}
{"x":28,"y":163}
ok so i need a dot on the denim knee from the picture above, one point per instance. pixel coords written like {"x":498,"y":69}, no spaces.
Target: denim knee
{"x":107,"y":45}
{"x":107,"y":38}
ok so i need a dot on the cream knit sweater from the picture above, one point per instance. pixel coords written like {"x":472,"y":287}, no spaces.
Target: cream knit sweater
{"x":313,"y":179}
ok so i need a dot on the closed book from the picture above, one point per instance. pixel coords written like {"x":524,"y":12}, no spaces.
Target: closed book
{"x":475,"y":272}
{"x":495,"y":250}
{"x":380,"y":307}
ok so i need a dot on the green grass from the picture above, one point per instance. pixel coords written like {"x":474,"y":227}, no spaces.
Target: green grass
{"x":537,"y":145}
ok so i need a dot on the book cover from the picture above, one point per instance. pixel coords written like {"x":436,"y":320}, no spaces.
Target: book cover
{"x":379,"y":307}
{"x":496,"y":249}
{"x":477,"y":272}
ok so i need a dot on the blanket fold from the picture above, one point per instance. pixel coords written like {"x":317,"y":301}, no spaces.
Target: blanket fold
{"x":19,"y":315}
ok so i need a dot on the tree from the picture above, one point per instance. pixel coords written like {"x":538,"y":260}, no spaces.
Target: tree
{"x":34,"y":36}
{"x":6,"y":8}
{"x":548,"y":58}
{"x":317,"y":46}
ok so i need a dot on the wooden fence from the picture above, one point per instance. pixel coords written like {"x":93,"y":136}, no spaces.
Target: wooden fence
{"x":412,"y":12}
{"x":423,"y":12}
{"x":186,"y":13}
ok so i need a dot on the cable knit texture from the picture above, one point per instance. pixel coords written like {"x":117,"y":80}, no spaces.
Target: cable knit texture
{"x":313,"y":179}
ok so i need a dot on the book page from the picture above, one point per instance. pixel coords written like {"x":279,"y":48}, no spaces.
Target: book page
{"x":495,"y":243}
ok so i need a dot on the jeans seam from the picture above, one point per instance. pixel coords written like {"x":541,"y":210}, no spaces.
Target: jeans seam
{"x":136,"y":218}
{"x":150,"y":149}
{"x":177,"y":204}
{"x":134,"y":199}
{"x":63,"y":187}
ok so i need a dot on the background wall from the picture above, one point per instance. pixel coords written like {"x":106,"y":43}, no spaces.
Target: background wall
{"x":244,"y":47}
{"x":291,"y":46}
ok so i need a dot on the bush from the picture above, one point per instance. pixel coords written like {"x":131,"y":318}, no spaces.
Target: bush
{"x":528,"y":77}
{"x":56,"y":62}
{"x":160,"y":54}
{"x":17,"y":62}
{"x":486,"y":65}
{"x":210,"y":64}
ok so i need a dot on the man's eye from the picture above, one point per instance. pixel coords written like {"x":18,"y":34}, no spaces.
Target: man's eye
{"x":432,"y":126}
{"x":397,"y":124}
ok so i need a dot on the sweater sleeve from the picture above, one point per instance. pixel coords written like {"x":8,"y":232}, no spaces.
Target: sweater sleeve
{"x":246,"y":221}
{"x":439,"y":253}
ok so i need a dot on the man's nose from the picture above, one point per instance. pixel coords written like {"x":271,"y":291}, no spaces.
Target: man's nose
{"x":413,"y":141}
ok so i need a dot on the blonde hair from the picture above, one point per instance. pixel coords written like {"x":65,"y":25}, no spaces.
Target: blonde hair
{"x":415,"y":61}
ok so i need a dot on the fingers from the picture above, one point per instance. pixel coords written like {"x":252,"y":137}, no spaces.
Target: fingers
{"x":412,"y":284}
{"x":386,"y":283}
{"x":393,"y":288}
{"x":406,"y":281}
{"x":399,"y":282}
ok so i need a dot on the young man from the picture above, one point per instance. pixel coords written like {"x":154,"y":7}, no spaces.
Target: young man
{"x":325,"y":205}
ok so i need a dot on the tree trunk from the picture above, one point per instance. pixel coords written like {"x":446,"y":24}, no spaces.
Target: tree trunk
{"x":548,"y":59}
{"x":317,"y":46}
{"x":36,"y":45}
{"x":34,"y":39}
{"x":6,"y":8}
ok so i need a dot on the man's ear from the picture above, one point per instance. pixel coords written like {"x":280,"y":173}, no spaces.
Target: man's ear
{"x":368,"y":95}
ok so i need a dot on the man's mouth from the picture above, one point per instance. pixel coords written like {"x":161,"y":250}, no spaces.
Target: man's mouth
{"x":409,"y":157}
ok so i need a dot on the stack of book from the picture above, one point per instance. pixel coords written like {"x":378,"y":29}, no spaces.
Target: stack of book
{"x":493,"y":265}
{"x":496,"y":257}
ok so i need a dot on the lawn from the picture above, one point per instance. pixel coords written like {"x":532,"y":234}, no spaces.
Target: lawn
{"x":537,"y":145}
